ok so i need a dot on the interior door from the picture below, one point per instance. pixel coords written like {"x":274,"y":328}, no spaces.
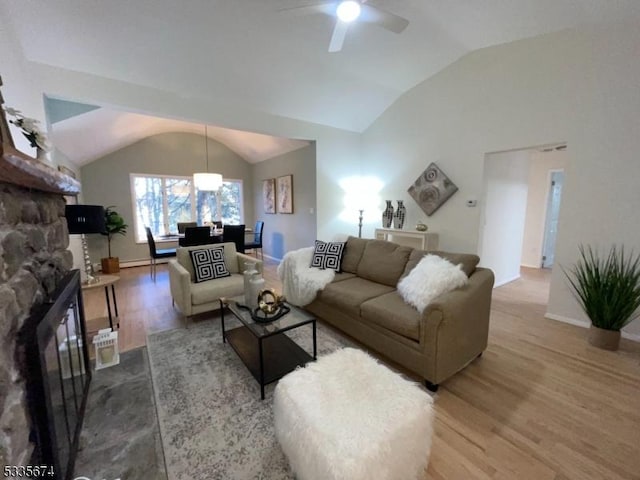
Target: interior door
{"x":551,"y":222}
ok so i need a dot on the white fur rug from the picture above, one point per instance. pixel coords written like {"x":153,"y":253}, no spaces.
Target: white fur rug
{"x":300,"y":282}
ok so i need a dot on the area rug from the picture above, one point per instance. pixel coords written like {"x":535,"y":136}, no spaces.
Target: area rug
{"x":212,"y":422}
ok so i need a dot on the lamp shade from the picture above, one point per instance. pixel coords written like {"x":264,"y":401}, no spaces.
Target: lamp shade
{"x":85,"y":219}
{"x":207,"y":181}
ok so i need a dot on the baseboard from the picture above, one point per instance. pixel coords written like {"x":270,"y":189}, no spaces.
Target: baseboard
{"x":275,"y":259}
{"x":569,"y":320}
{"x":504,"y":282}
{"x":142,"y":263}
{"x":634,"y":337}
{"x":585,"y":324}
{"x":530,"y":266}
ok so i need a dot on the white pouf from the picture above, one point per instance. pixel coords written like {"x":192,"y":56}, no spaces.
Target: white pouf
{"x":348,"y":417}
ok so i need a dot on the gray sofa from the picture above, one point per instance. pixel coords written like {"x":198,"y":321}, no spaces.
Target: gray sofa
{"x":363,"y":302}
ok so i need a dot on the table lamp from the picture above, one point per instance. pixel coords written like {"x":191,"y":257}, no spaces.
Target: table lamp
{"x":85,"y":219}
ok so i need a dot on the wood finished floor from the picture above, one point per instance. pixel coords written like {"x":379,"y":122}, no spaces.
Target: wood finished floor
{"x":540,"y":403}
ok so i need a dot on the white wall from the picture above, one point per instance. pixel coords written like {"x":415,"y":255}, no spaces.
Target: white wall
{"x":285,"y":232}
{"x":506,"y":178}
{"x":580,"y":87}
{"x":539,"y":182}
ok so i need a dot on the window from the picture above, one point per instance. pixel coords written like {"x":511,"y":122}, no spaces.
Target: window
{"x":160,"y":202}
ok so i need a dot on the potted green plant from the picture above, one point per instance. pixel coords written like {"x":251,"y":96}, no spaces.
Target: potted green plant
{"x":608,"y":290}
{"x":114,"y":226}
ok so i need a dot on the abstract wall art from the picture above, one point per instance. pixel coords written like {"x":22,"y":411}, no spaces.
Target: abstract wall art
{"x":285,"y":194}
{"x":269,"y":195}
{"x":431,"y":189}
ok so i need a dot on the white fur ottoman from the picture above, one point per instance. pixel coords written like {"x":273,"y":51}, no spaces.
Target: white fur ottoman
{"x":348,"y":417}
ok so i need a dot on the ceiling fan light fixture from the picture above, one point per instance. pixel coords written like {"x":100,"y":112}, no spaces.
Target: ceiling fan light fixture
{"x":348,"y":11}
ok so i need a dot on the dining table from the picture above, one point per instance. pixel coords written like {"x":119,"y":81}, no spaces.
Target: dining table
{"x":216,"y":236}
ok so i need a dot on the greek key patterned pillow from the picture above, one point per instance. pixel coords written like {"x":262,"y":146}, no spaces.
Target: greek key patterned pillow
{"x":208,"y":264}
{"x":327,"y":255}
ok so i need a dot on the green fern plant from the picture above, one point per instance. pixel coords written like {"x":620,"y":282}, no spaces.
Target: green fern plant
{"x":608,"y":289}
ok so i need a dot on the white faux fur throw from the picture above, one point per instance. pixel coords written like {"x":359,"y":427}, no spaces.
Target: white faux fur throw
{"x":432,"y":277}
{"x":300,"y":282}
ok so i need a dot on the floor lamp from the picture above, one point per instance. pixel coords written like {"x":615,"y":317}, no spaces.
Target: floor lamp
{"x":82,"y":220}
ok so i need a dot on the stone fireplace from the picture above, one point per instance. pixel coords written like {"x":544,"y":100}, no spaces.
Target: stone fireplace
{"x":33,"y":260}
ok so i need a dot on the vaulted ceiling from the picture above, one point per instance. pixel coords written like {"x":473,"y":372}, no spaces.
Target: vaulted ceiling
{"x":92,"y":134}
{"x":252,"y":54}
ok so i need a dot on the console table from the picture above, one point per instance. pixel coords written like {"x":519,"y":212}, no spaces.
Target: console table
{"x":427,"y":240}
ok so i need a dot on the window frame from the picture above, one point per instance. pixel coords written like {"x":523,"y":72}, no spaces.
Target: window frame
{"x":165,"y":204}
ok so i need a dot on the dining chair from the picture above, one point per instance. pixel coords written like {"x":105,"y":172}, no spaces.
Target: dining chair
{"x":155,"y":254}
{"x":217,"y":223}
{"x":235,"y":234}
{"x":182,"y":226}
{"x":196,"y":236}
{"x":257,"y":239}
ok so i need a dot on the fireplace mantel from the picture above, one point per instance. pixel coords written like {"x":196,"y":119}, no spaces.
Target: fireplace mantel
{"x":27,"y":172}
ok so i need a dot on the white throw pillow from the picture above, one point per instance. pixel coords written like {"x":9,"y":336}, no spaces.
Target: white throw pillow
{"x":432,"y":277}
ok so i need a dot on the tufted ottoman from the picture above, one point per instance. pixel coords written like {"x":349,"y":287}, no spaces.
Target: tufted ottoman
{"x":348,"y":417}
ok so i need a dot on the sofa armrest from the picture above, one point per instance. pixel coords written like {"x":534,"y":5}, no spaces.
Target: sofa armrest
{"x":247,"y":258}
{"x":180,"y":284}
{"x":455,"y":326}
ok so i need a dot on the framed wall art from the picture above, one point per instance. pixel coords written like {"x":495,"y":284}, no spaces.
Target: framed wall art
{"x":431,"y":189}
{"x":285,"y":194}
{"x":269,"y":195}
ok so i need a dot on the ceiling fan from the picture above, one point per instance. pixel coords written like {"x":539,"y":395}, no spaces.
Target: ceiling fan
{"x":349,"y":11}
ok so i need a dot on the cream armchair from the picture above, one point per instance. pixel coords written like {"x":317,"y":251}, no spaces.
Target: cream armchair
{"x":193,"y":298}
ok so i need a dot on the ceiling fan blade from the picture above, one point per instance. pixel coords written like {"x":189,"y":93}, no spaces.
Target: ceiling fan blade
{"x":337,"y":39}
{"x":387,"y":20}
{"x":328,"y":8}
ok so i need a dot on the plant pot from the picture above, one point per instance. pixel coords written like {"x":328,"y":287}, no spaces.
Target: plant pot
{"x":605,"y":339}
{"x":111,"y":265}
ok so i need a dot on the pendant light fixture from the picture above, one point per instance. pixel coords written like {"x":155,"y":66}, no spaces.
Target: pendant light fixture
{"x":206,"y":181}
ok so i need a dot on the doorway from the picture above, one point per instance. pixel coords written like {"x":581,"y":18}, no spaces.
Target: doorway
{"x":556,"y":183}
{"x":520,"y":210}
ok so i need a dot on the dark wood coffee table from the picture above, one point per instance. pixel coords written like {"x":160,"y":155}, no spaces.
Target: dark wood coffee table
{"x":267,"y":352}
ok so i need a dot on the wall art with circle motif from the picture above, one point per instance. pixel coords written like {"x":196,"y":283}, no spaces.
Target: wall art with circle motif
{"x":431,"y":189}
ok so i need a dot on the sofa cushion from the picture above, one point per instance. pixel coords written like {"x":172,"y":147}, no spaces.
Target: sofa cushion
{"x":338,"y":277}
{"x":213,"y":290}
{"x":348,"y":295}
{"x":383,"y":262}
{"x":208,"y":264}
{"x":327,"y":255}
{"x":393,"y":313}
{"x":230,"y":258}
{"x":353,"y":251}
{"x":468,"y":261}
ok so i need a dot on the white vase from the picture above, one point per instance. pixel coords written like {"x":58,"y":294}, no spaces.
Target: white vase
{"x":249,"y":272}
{"x":256,"y":286}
